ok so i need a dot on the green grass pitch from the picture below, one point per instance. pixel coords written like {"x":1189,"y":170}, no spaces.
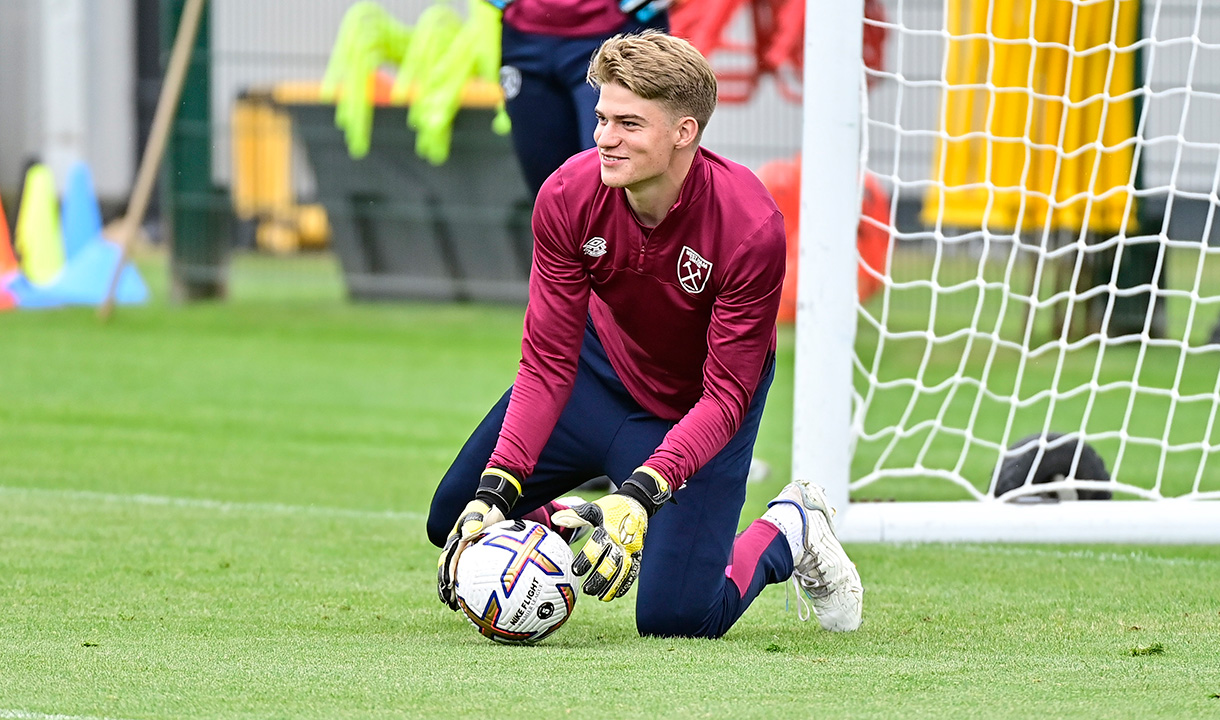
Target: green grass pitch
{"x":216,"y":511}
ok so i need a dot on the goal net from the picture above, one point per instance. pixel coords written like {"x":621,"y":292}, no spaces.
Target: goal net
{"x":1035,"y":356}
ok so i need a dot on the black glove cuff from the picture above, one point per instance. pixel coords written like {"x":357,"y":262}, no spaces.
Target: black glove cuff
{"x":499,"y":488}
{"x":644,"y":489}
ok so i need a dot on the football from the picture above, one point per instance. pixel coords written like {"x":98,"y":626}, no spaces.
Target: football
{"x":515,"y":583}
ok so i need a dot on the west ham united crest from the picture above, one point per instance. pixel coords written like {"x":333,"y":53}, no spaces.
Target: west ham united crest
{"x":693,"y":271}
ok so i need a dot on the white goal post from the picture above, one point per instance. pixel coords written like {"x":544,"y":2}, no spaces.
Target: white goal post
{"x":1043,"y":327}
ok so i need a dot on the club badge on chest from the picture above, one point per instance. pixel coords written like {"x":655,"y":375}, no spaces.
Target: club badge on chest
{"x":693,"y":271}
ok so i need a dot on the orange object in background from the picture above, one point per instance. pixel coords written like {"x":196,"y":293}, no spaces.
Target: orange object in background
{"x":873,"y":238}
{"x":8,"y":261}
{"x":774,"y":42}
{"x":783,"y":179}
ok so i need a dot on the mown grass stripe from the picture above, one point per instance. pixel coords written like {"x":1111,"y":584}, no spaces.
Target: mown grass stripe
{"x":1134,"y":556}
{"x":209,"y":504}
{"x":6,"y":714}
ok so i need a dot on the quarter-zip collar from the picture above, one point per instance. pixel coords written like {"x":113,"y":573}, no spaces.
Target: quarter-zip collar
{"x":693,"y":186}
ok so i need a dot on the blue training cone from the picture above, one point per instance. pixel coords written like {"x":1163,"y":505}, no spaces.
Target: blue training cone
{"x":84,"y":281}
{"x":81,"y":217}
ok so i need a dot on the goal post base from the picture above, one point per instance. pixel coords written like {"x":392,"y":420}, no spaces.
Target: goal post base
{"x":1142,"y":522}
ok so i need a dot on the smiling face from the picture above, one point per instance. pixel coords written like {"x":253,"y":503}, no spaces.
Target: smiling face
{"x":636,"y":138}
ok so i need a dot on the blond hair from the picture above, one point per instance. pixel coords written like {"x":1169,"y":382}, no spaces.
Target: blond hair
{"x":661,"y":67}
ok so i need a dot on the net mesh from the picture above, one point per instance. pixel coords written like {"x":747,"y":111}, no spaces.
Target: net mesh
{"x":1047,"y":173}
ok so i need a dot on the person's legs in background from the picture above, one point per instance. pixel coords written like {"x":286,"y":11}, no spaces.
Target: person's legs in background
{"x":546,"y":129}
{"x":548,"y":97}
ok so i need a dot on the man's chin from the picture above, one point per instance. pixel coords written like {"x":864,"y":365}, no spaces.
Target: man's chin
{"x":612,"y":179}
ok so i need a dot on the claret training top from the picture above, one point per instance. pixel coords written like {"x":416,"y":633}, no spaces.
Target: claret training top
{"x":686,"y":310}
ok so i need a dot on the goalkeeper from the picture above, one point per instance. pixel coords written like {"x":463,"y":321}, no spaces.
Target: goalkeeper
{"x":648,"y":350}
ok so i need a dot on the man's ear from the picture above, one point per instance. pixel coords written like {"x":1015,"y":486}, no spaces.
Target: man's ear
{"x":686,"y":132}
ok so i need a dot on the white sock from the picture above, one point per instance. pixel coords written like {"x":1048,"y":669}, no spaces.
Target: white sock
{"x":786,"y":517}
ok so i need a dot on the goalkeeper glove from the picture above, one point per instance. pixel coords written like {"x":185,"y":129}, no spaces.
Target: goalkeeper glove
{"x":498,"y":492}
{"x":620,"y":522}
{"x":643,"y":10}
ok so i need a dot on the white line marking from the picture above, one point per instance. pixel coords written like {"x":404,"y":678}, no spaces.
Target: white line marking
{"x":1135,"y":556}
{"x":218,"y":505}
{"x":24,"y":715}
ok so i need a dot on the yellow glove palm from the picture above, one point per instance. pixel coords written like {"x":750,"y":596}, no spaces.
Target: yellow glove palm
{"x":620,"y":522}
{"x":613,"y":550}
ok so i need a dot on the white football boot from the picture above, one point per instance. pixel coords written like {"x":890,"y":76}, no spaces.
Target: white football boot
{"x":823,"y":572}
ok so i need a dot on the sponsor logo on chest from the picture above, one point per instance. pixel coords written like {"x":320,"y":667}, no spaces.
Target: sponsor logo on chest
{"x":595,"y":247}
{"x":693,"y":271}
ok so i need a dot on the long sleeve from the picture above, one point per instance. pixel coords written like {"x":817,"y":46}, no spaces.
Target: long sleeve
{"x":551,"y":339}
{"x":739,"y":336}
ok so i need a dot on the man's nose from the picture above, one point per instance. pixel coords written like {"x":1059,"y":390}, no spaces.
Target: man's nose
{"x":605,"y":136}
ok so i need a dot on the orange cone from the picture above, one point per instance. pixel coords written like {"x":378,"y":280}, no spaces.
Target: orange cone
{"x":8,"y":261}
{"x":783,"y":179}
